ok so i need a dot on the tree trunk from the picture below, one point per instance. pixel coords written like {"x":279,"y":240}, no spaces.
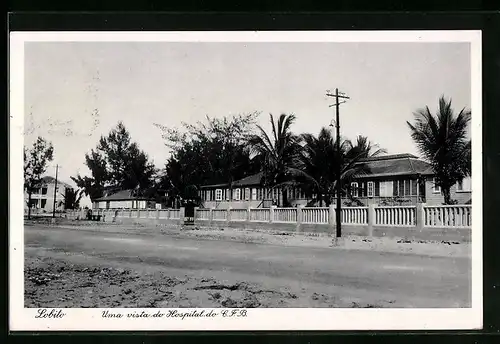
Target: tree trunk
{"x":29,"y":205}
{"x":284,"y":198}
{"x":447,"y":195}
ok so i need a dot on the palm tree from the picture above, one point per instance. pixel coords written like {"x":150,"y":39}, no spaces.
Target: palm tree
{"x":279,"y":153}
{"x":320,"y":159}
{"x":442,"y":141}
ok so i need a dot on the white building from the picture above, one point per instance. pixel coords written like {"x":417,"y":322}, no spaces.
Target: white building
{"x":42,"y":198}
{"x":122,"y":199}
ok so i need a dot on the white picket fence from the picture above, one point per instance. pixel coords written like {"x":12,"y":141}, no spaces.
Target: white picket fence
{"x":396,"y":216}
{"x":315,"y":215}
{"x":354,"y":215}
{"x":285,"y":215}
{"x":388,"y":216}
{"x":260,"y":214}
{"x":447,"y":216}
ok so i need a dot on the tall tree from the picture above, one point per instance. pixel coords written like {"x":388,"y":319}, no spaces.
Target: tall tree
{"x":443,"y":141}
{"x":116,"y":163}
{"x":36,"y":160}
{"x":320,"y":158}
{"x":278,"y":153}
{"x":207,"y":152}
{"x":72,"y":198}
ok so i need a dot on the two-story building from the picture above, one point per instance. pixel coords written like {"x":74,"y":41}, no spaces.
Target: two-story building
{"x":42,"y":198}
{"x":390,"y":180}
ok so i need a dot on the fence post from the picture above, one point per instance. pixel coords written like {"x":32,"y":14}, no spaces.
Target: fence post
{"x":138,"y":212}
{"x":299,"y":217}
{"x":249,"y":216}
{"x":271,"y":213}
{"x":182,"y":212}
{"x":420,"y":217}
{"x":371,"y":219}
{"x":331,"y":216}
{"x":210,"y":216}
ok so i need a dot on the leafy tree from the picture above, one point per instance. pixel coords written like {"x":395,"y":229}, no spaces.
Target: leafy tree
{"x":278,"y":154}
{"x":35,"y":165}
{"x":116,"y":163}
{"x":320,"y":159}
{"x":209,"y":152}
{"x":442,"y":140}
{"x":72,"y":198}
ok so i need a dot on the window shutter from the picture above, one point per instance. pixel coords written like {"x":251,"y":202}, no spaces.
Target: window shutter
{"x":370,"y":189}
{"x":377,"y":189}
{"x":414,"y":187}
{"x":407,"y":187}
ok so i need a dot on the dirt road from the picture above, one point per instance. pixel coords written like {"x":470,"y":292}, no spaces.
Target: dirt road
{"x":70,"y":267}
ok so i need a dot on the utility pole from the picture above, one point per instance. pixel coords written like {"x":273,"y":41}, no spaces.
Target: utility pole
{"x":55,"y":194}
{"x":338,"y":95}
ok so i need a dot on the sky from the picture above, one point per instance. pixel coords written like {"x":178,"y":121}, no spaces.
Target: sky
{"x":143,"y":83}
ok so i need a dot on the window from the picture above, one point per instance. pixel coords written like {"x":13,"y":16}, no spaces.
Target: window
{"x":377,"y":189}
{"x":464,"y":185}
{"x":44,"y":202}
{"x":254,"y":194}
{"x":407,"y":187}
{"x":436,"y":188}
{"x":44,"y":190}
{"x":237,"y":194}
{"x":414,"y":187}
{"x":247,"y":194}
{"x":395,"y":188}
{"x":354,"y":188}
{"x":371,"y":189}
{"x":218,"y":194}
{"x":227,"y":194}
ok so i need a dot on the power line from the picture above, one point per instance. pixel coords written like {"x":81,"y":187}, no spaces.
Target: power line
{"x":338,"y":95}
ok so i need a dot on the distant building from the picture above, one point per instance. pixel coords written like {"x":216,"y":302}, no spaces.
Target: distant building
{"x":123,"y":199}
{"x":401,"y":178}
{"x":42,"y":198}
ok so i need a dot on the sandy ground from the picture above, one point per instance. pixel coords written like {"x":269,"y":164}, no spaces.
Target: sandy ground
{"x":104,"y":265}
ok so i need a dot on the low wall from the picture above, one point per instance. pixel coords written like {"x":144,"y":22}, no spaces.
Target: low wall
{"x":439,"y":223}
{"x":411,"y":233}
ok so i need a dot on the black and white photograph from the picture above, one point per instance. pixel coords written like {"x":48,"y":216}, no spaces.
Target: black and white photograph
{"x":244,"y":173}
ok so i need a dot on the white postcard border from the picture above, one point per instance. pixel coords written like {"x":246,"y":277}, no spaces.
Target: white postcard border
{"x":23,"y":319}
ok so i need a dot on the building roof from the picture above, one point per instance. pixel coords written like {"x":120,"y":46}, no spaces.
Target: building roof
{"x":123,"y":195}
{"x":379,"y":166}
{"x":254,"y":179}
{"x":52,"y":180}
{"x":396,"y":165}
